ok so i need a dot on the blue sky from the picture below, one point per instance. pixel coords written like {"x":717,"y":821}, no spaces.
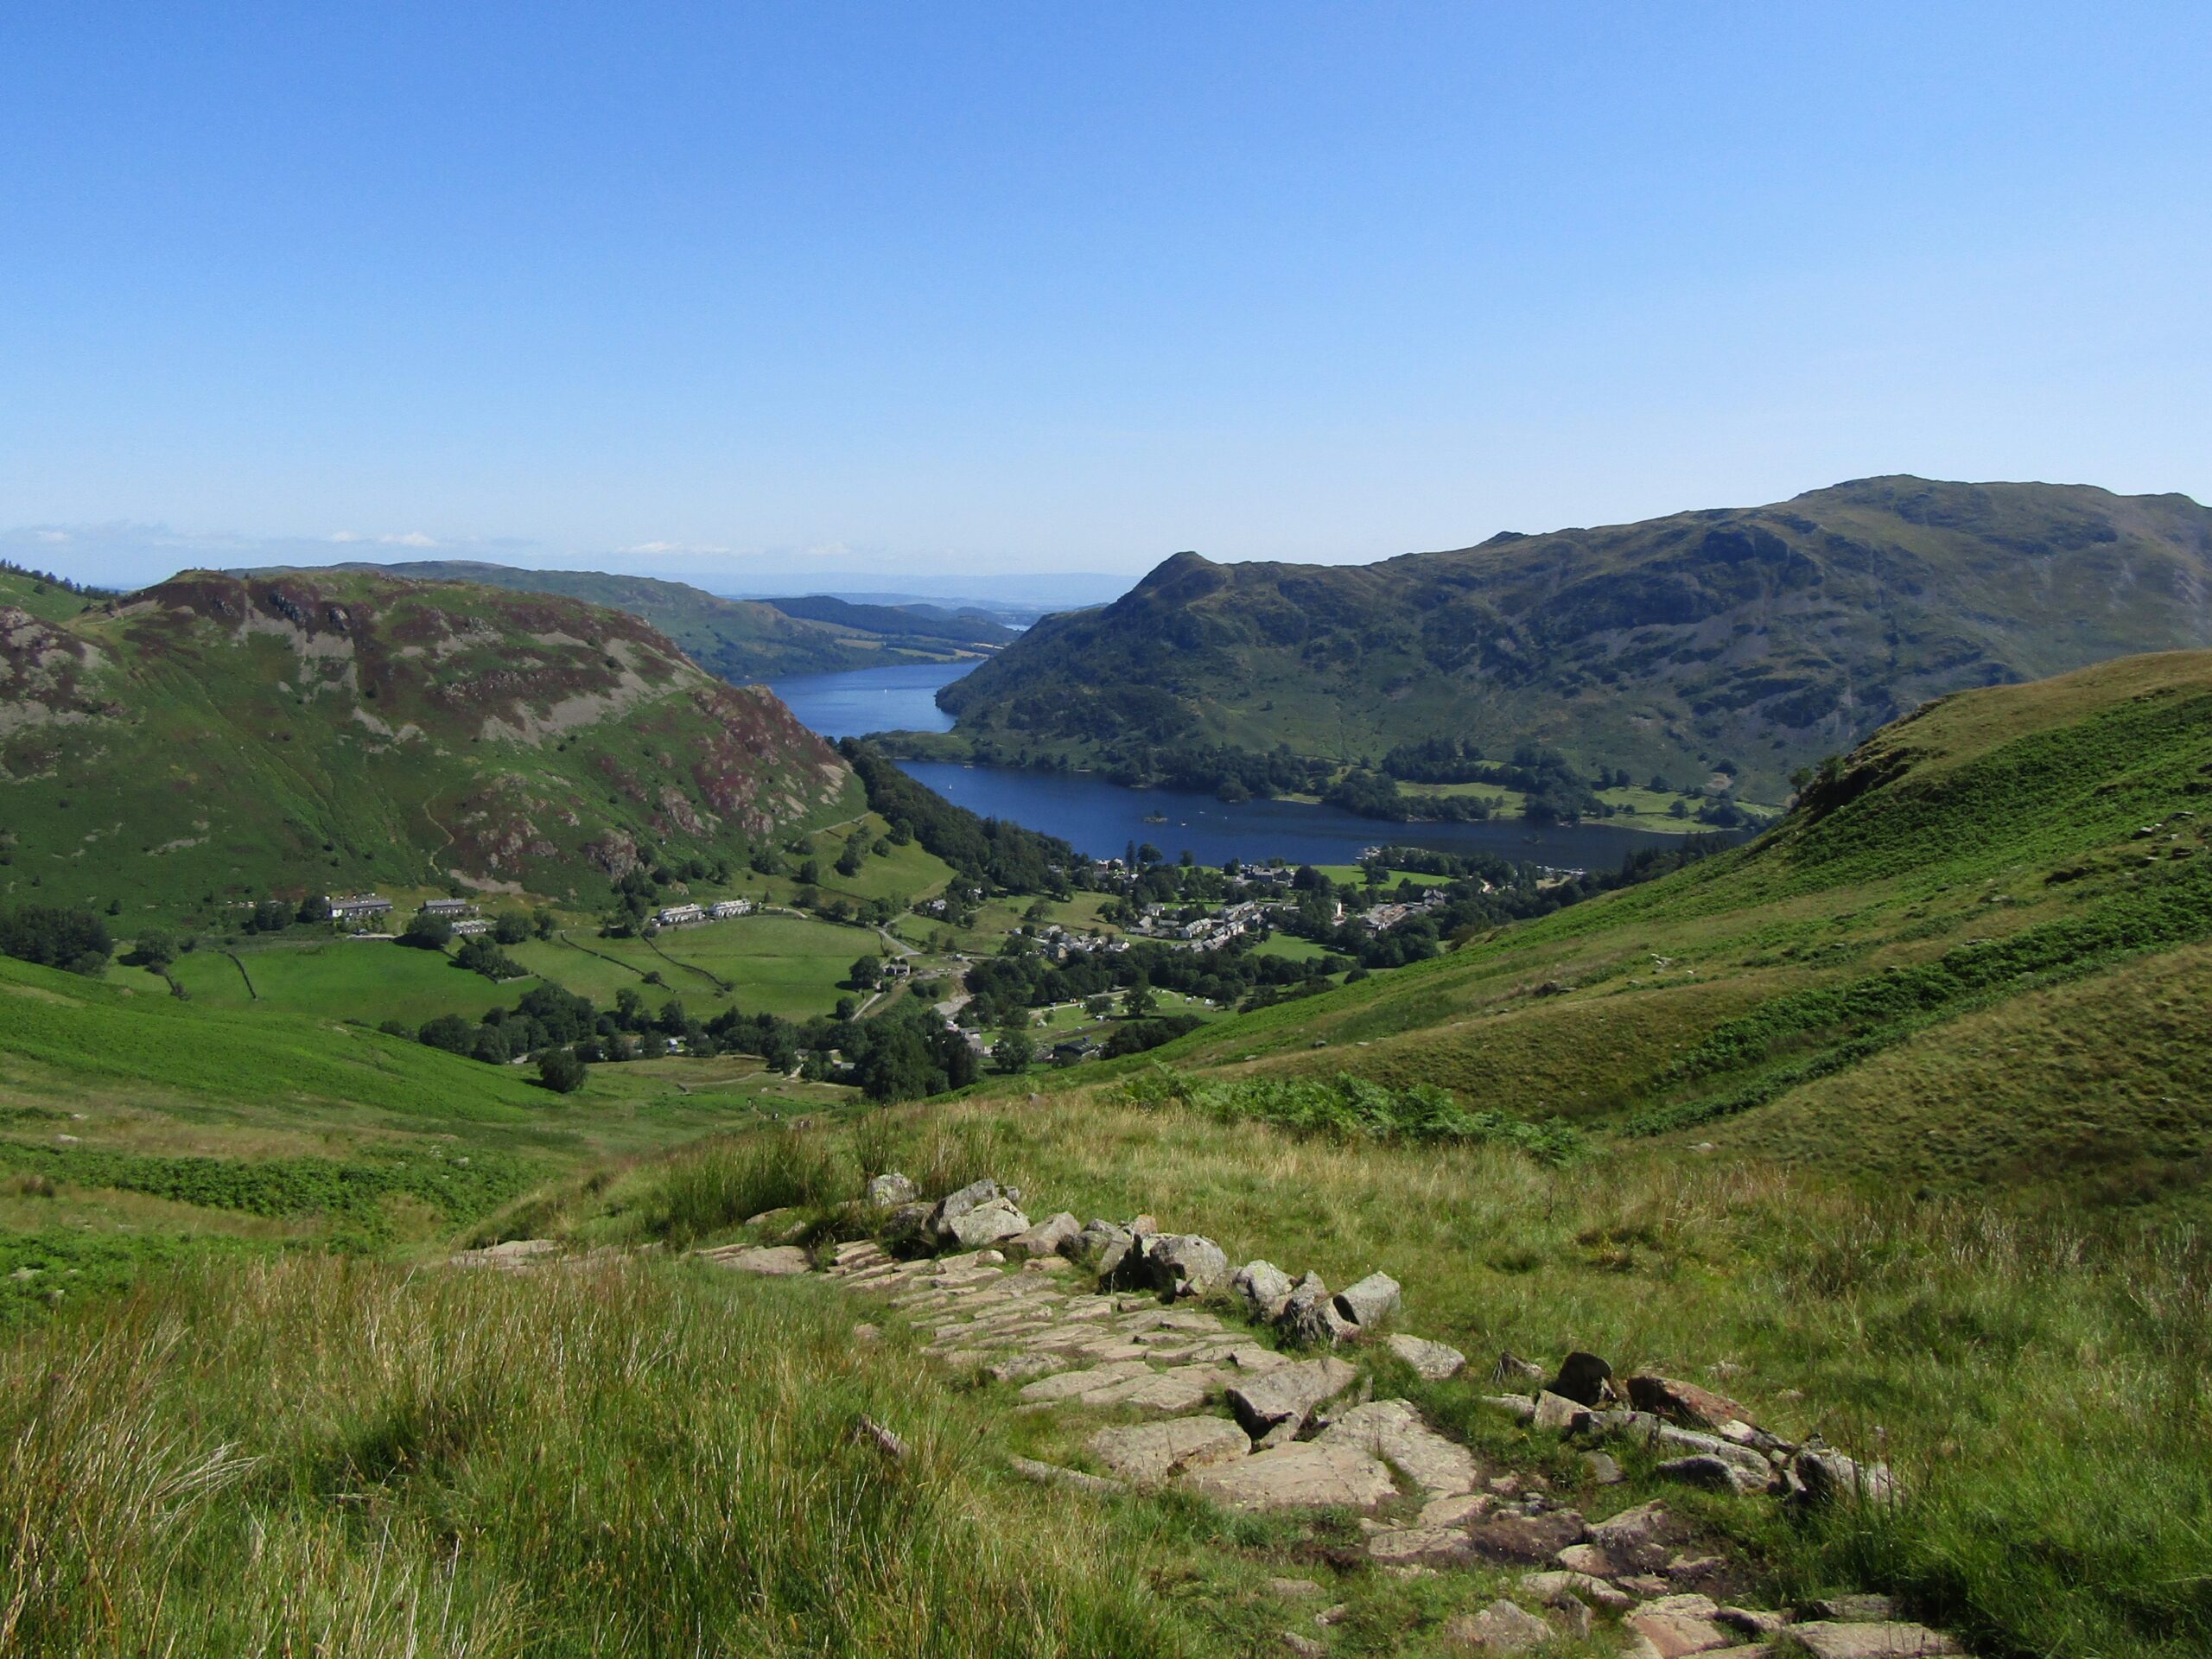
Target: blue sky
{"x":757,"y":294}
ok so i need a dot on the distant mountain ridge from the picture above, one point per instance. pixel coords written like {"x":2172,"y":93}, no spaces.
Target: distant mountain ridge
{"x":740,"y":640}
{"x":1760,"y":638}
{"x":214,"y":737}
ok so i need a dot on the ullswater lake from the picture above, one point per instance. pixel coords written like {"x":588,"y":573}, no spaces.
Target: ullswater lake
{"x":1101,"y":818}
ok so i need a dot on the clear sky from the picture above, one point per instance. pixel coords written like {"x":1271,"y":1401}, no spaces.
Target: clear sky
{"x":761,"y":293}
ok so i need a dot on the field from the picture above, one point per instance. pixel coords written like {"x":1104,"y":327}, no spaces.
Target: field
{"x":371,"y":980}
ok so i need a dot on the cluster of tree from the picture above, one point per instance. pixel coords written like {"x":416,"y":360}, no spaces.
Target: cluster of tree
{"x":482,"y":956}
{"x":44,"y":579}
{"x":1375,"y":795}
{"x":1002,"y":855}
{"x":1002,"y":988}
{"x":54,"y":936}
{"x":647,"y":884}
{"x":1556,"y":791}
{"x":1232,"y":774}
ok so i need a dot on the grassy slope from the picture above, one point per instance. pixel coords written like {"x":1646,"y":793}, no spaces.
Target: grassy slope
{"x":1769,"y":636}
{"x":213,"y":739}
{"x":1760,"y":994}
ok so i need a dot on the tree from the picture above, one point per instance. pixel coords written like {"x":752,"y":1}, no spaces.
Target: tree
{"x":154,"y":948}
{"x":1098,"y":1007}
{"x":867,"y":973}
{"x":849,"y":861}
{"x":511,"y":927}
{"x":427,"y":932}
{"x":449,"y":1032}
{"x":1140,"y":1000}
{"x":560,"y":1070}
{"x":542,"y":924}
{"x":1014,"y":1050}
{"x":810,"y":873}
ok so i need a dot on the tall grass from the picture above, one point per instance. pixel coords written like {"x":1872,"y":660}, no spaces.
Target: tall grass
{"x":309,"y":1456}
{"x":710,"y":1187}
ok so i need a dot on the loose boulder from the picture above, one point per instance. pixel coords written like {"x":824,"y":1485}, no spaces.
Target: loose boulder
{"x":890,"y":1190}
{"x":1102,"y":1247}
{"x":1047,"y":1237}
{"x":986,"y":1223}
{"x":1432,"y":1361}
{"x":1499,"y":1628}
{"x":1184,"y":1264}
{"x":1686,"y":1402}
{"x":1824,"y":1477}
{"x":1370,"y":1302}
{"x":1263,"y":1288}
{"x":1715,"y":1474}
{"x":1860,"y":1641}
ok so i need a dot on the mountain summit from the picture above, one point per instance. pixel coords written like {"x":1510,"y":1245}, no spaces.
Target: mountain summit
{"x":1758,"y":639}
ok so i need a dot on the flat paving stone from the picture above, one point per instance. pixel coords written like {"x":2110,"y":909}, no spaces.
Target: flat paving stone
{"x":1394,"y":1431}
{"x":772,"y":1260}
{"x":1302,"y":1475}
{"x":1068,"y":1384}
{"x":1150,"y":1452}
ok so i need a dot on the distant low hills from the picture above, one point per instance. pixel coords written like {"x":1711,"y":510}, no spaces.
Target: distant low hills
{"x":740,"y":640}
{"x":215,"y":738}
{"x":1756,"y":639}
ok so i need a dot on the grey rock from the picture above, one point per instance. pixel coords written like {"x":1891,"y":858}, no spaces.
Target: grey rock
{"x":1499,"y":1628}
{"x":1714,"y":1474}
{"x":1184,"y":1264}
{"x":1603,"y":1470}
{"x":1584,"y":1378}
{"x":774,"y":1261}
{"x":1293,"y":1589}
{"x":1557,"y":1411}
{"x":1287,"y":1394}
{"x":1305,"y":1647}
{"x":1548,"y":1587}
{"x":1638,"y":1539}
{"x":1514,"y":1372}
{"x":1829,"y":1477}
{"x":1393,"y":1431}
{"x":1887,"y":1640}
{"x":1048,"y":1237}
{"x":967,"y":1198}
{"x":890,"y":1190}
{"x":1309,"y":1316}
{"x":1512,"y":1405}
{"x":1068,"y":1385}
{"x":1303,"y":1475}
{"x":1432,"y":1361}
{"x":1845,"y":1610}
{"x":1262,"y":1287}
{"x":1370,"y":1302}
{"x":1050,"y":1474}
{"x":1102,"y":1246}
{"x":1526,"y":1540}
{"x":1146,"y":1453}
{"x":1417,"y":1546}
{"x":986,"y":1223}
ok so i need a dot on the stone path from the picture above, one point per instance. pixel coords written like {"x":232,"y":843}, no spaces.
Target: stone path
{"x":1222,"y":1415}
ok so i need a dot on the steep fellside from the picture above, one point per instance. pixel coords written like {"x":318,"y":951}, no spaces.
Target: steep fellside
{"x":213,"y":737}
{"x":1975,"y":957}
{"x":1764,"y":638}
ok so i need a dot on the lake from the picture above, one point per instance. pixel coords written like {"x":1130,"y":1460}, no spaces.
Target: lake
{"x":1101,"y":818}
{"x":898,"y":698}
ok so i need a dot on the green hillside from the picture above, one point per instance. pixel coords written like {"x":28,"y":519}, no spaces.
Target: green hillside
{"x":212,"y":739}
{"x":1975,"y":957}
{"x":1760,"y":639}
{"x":739,"y":640}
